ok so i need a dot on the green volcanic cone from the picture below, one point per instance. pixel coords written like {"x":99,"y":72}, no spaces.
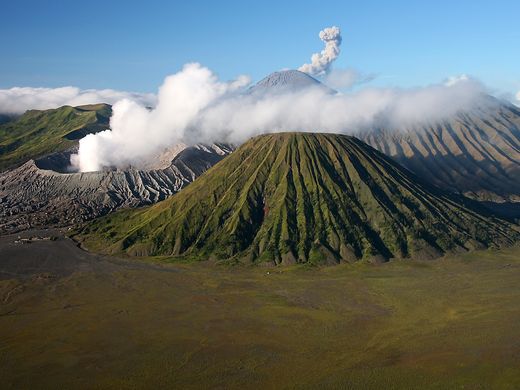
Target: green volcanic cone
{"x":301,"y":197}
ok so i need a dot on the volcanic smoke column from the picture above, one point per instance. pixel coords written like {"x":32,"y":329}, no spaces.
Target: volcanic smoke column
{"x":321,"y":62}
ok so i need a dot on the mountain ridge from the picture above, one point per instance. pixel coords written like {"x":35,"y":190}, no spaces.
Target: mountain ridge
{"x":37,"y":133}
{"x":476,"y":153}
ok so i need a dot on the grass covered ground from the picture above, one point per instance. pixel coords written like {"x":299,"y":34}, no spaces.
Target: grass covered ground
{"x":448,"y":323}
{"x":40,"y":132}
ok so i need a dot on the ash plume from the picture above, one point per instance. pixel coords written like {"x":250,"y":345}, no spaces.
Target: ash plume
{"x":321,"y":62}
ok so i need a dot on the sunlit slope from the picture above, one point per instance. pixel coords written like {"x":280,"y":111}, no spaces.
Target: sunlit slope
{"x":40,"y":132}
{"x":301,"y":197}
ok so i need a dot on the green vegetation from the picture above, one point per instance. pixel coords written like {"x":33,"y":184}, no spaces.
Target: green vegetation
{"x":37,"y":133}
{"x":297,"y":197}
{"x":447,"y":324}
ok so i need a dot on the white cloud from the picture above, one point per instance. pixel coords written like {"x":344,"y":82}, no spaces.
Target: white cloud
{"x":451,"y":81}
{"x":136,"y":133}
{"x":20,"y":99}
{"x":341,"y":79}
{"x":194,"y":106}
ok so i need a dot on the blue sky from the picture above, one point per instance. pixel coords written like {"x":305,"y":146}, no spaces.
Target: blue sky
{"x":134,"y":45}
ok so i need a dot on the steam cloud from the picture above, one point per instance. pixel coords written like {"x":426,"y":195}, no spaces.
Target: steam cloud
{"x":20,"y":99}
{"x":194,"y":106}
{"x":137,"y":133}
{"x":321,"y":62}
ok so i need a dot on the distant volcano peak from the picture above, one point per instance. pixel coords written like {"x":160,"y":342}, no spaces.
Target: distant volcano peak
{"x":290,"y":79}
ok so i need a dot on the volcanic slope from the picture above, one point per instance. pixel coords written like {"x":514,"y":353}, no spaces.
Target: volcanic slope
{"x":301,"y":197}
{"x":476,"y":153}
{"x":40,"y":132}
